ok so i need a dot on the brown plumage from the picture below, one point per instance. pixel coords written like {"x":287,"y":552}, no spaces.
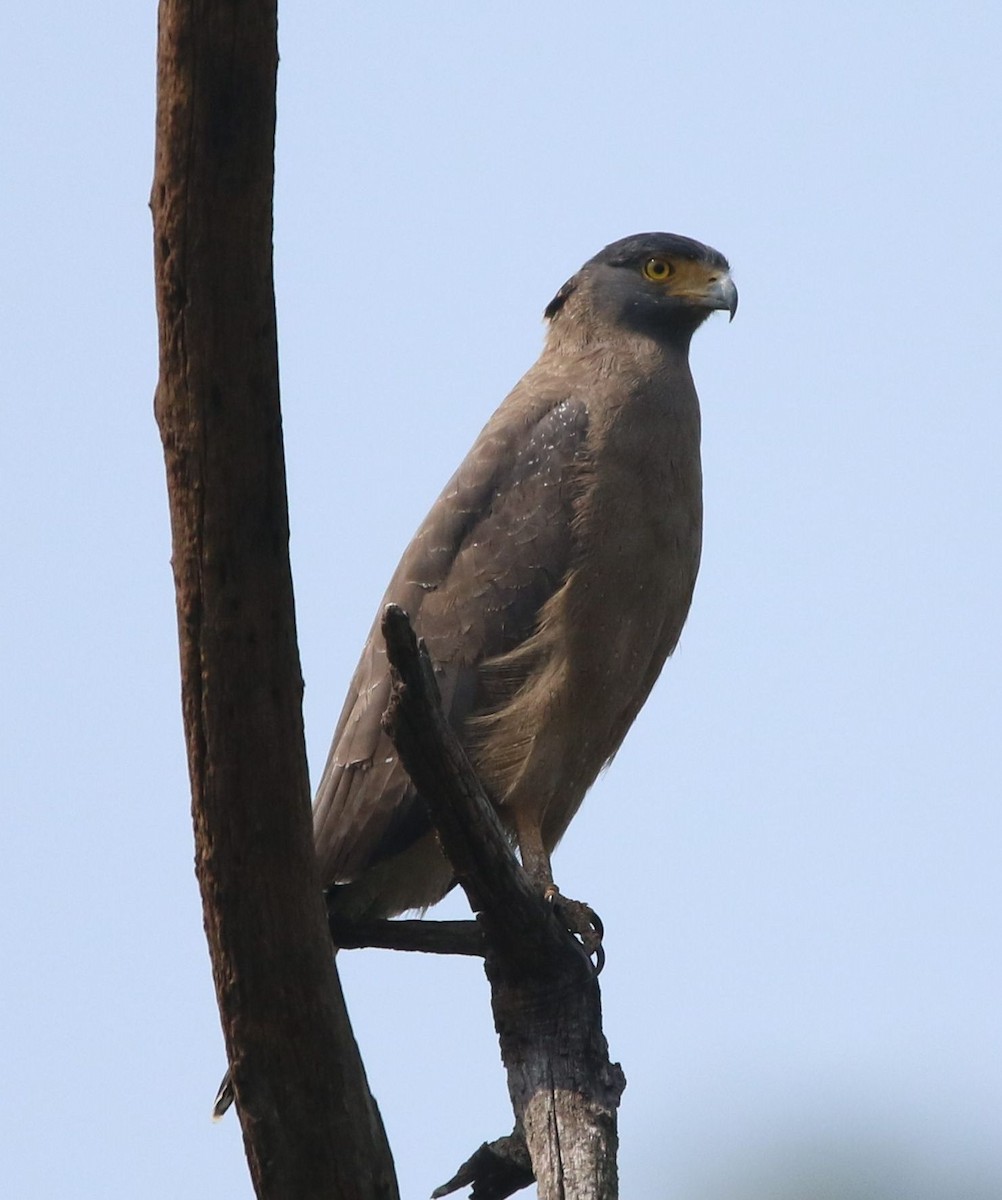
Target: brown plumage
{"x":550,"y":580}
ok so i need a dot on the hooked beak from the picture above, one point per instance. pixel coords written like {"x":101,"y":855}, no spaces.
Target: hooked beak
{"x":721,"y":293}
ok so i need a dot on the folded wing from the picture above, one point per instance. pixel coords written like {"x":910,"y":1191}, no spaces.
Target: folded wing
{"x":495,"y":546}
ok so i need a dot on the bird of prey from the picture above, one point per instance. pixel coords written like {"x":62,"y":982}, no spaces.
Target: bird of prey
{"x":549,"y":581}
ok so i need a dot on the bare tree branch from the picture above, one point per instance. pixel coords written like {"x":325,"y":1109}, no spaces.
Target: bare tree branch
{"x":495,"y":1170}
{"x":544,"y":992}
{"x":429,"y":937}
{"x":311,"y":1128}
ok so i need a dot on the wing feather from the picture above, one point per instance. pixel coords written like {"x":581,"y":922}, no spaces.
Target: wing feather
{"x":494,"y":547}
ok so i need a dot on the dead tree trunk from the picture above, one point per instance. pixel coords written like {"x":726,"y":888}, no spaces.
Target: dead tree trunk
{"x":544,"y":991}
{"x":311,"y":1128}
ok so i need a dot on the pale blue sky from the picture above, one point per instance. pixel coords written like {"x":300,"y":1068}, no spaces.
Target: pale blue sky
{"x":797,"y":852}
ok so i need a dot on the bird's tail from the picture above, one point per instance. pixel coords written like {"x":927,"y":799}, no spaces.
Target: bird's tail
{"x":224,"y":1097}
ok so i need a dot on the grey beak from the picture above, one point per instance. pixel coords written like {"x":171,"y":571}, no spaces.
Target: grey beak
{"x":723,"y":294}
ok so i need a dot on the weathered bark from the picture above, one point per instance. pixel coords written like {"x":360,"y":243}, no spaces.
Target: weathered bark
{"x":311,"y":1128}
{"x":544,"y":991}
{"x":428,"y":937}
{"x":496,"y":1170}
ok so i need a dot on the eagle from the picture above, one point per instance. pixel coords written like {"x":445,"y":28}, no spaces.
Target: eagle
{"x":550,"y":581}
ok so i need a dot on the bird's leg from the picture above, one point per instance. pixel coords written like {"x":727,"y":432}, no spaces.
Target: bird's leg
{"x":535,"y":860}
{"x":577,"y":917}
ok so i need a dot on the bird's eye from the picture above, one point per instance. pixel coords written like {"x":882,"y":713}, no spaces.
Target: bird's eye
{"x":657,"y":269}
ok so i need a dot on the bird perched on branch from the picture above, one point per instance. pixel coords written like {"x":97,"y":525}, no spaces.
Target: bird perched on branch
{"x":550,"y":581}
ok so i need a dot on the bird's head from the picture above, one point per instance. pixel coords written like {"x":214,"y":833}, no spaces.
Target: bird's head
{"x":655,"y":283}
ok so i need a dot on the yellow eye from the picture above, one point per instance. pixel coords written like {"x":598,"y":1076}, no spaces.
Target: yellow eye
{"x":657,"y":269}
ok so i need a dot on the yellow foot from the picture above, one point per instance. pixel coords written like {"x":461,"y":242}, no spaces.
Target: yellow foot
{"x":580,"y":920}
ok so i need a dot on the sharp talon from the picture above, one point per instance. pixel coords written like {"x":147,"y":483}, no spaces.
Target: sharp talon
{"x":582,"y":922}
{"x":550,"y":892}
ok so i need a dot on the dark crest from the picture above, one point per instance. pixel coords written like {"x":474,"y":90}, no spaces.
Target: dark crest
{"x":559,"y":300}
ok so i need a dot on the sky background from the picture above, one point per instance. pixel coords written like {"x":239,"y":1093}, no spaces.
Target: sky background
{"x":797,"y":851}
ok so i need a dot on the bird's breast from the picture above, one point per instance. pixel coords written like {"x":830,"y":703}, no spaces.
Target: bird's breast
{"x":607,"y":631}
{"x":638,"y":537}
